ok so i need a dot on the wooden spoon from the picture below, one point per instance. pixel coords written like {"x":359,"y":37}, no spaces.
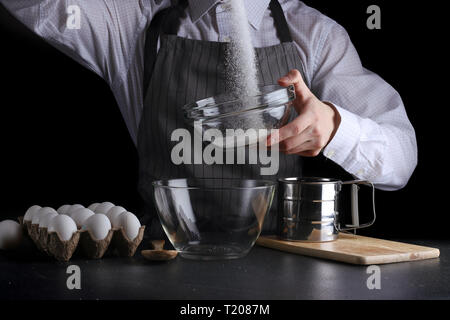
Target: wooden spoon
{"x":158,"y":253}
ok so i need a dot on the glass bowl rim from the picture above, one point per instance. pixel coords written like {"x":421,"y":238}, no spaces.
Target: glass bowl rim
{"x":309,"y":180}
{"x":274,"y":96}
{"x":265,"y":183}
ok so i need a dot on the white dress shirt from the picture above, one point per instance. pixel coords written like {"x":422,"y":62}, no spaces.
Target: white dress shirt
{"x":375,"y":140}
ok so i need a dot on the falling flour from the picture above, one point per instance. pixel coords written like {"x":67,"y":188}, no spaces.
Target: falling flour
{"x":241,"y":59}
{"x":242,"y":74}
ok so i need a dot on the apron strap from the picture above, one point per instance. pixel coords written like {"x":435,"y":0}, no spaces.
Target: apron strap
{"x":283,"y":32}
{"x":168,"y":21}
{"x":151,"y":46}
{"x":172,"y":20}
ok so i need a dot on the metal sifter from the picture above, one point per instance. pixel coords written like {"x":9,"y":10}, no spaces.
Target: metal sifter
{"x":308,"y":208}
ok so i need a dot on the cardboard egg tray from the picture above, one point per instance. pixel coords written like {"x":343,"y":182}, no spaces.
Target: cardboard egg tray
{"x":51,"y":243}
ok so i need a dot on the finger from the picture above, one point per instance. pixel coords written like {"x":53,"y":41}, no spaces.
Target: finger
{"x":293,"y":128}
{"x":293,"y":143}
{"x":307,"y":145}
{"x":295,"y":78}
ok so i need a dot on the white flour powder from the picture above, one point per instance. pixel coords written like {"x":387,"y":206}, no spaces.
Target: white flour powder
{"x":242,"y":75}
{"x":241,"y":59}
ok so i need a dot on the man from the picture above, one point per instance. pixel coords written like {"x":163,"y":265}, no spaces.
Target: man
{"x":145,"y":51}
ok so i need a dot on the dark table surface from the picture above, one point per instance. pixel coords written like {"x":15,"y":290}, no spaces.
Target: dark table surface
{"x":263,"y":274}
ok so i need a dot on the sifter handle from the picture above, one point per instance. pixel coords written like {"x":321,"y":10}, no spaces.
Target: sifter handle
{"x":355,"y":205}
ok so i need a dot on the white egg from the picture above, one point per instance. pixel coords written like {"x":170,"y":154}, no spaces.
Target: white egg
{"x":80,"y":216}
{"x":115,"y":219}
{"x":93,"y":206}
{"x":98,"y":225}
{"x":114,"y":210}
{"x":130,"y":224}
{"x":35,"y":219}
{"x":74,"y":208}
{"x":103,"y":207}
{"x":63,"y":225}
{"x":44,"y":221}
{"x":10,"y":235}
{"x":64,"y":209}
{"x":30,"y":213}
{"x":40,"y":214}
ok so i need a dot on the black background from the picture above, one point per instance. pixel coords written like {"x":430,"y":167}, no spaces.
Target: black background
{"x":63,"y":139}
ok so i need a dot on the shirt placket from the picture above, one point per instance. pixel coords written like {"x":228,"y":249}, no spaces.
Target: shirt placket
{"x":223,"y":21}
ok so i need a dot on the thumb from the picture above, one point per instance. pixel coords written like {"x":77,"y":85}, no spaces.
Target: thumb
{"x":295,"y":78}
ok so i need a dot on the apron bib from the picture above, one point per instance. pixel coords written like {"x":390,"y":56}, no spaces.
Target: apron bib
{"x":184,"y":71}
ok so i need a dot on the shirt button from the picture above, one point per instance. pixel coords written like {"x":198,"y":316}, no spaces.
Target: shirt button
{"x":226,"y":39}
{"x":360,"y":172}
{"x":330,"y":154}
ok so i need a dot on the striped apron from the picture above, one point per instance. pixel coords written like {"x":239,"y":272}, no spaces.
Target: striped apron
{"x":184,"y":71}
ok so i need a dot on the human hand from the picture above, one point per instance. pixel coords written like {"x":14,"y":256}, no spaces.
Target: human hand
{"x":315,"y":126}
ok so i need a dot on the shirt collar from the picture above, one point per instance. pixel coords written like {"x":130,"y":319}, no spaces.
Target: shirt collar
{"x":255,"y":10}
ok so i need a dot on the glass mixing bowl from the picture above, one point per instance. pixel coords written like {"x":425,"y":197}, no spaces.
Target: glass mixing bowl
{"x":213,"y":218}
{"x":269,"y":110}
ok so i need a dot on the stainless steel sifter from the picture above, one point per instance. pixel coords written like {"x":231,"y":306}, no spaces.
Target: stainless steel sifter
{"x":308,"y":208}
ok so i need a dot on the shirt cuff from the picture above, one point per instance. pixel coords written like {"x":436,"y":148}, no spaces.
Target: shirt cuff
{"x":342,"y":148}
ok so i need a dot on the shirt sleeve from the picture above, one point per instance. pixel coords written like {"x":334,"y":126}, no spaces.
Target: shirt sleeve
{"x":375,"y":140}
{"x":106,"y":35}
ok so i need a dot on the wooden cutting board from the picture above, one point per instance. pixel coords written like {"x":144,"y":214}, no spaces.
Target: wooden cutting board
{"x":354,"y":249}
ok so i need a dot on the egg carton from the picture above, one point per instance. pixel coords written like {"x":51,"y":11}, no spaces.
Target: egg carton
{"x":52,"y":244}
